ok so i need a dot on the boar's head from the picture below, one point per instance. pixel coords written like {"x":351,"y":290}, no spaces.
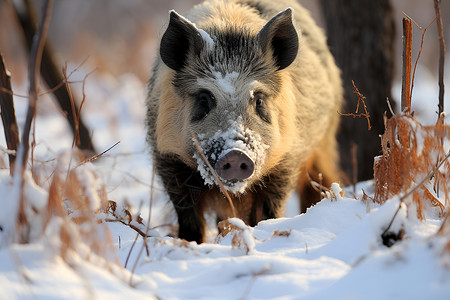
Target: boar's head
{"x":229,"y":80}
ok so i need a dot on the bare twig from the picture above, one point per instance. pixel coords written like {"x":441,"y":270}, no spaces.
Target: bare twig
{"x":151,"y":200}
{"x":33,"y":73}
{"x":56,"y":87}
{"x":22,"y":155}
{"x":365,"y":114}
{"x":135,"y":228}
{"x":317,"y":186}
{"x":76,"y":135}
{"x":354,"y":155}
{"x":213,"y":172}
{"x":146,"y":229}
{"x":406,"y":70}
{"x":50,"y":72}
{"x":131,"y":250}
{"x":440,"y":28}
{"x":97,"y":156}
{"x":8,"y":115}
{"x":390,"y":106}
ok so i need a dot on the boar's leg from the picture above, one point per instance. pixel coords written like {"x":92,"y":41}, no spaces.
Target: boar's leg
{"x":321,"y":169}
{"x":275,"y":191}
{"x":184,"y":188}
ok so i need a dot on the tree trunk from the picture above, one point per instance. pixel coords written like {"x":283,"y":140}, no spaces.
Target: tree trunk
{"x":361,"y":35}
{"x":53,"y":76}
{"x":8,"y":114}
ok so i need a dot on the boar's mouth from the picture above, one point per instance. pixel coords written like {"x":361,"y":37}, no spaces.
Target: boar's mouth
{"x":236,"y":155}
{"x":234,"y":162}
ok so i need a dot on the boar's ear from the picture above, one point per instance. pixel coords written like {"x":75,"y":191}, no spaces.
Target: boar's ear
{"x":180,"y":38}
{"x":280,"y":34}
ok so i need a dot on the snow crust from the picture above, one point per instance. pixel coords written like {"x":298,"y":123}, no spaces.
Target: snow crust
{"x":226,"y":81}
{"x":207,"y":39}
{"x":237,"y":136}
{"x":209,"y":42}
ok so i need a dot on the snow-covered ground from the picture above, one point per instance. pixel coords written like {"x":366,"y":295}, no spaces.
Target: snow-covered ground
{"x":334,"y":251}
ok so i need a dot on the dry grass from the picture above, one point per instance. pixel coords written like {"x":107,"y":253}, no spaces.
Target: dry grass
{"x":410,"y":152}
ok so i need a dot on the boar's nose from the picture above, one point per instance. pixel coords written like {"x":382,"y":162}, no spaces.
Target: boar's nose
{"x":235,"y":165}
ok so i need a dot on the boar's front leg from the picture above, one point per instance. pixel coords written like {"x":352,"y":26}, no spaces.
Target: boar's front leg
{"x":184,"y":188}
{"x":275,"y":190}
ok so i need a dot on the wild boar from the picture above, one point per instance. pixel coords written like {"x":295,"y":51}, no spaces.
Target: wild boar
{"x":255,"y":84}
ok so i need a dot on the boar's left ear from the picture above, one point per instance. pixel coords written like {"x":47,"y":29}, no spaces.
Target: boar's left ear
{"x":180,"y":38}
{"x":280,"y":34}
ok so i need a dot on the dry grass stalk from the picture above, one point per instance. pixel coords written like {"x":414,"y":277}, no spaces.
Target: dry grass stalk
{"x":406,"y":70}
{"x":76,"y":115}
{"x":409,"y":154}
{"x":125,"y":217}
{"x":354,"y":155}
{"x":284,"y":233}
{"x":440,"y":27}
{"x":91,"y":159}
{"x":362,"y":103}
{"x":423,"y":31}
{"x":84,"y":198}
{"x":76,"y":138}
{"x":238,"y":239}
{"x":37,"y":48}
{"x":213,"y":172}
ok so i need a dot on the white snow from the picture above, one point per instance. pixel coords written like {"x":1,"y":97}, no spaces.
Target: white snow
{"x":205,"y":36}
{"x":226,"y":82}
{"x":334,"y":251}
{"x":207,"y":39}
{"x":237,"y":136}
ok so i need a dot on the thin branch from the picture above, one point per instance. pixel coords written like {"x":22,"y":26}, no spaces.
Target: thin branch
{"x":131,"y":250}
{"x":364,"y":114}
{"x":33,"y":73}
{"x":390,"y":106}
{"x":76,"y":134}
{"x":146,"y":229}
{"x":219,"y":182}
{"x":96,"y":156}
{"x":442,"y":48}
{"x":428,"y":177}
{"x":135,"y":228}
{"x":22,"y":155}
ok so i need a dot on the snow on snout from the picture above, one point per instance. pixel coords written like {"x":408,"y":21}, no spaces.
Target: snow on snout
{"x":220,"y":143}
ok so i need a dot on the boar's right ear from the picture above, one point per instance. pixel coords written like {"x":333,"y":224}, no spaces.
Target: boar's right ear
{"x":279,"y":33}
{"x":181,"y":36}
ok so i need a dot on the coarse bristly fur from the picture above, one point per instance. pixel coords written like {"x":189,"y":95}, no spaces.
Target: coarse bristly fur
{"x":250,"y":75}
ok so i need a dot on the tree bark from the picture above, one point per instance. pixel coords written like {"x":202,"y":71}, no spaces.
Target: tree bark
{"x":53,"y":76}
{"x":361,"y":35}
{"x":8,"y":114}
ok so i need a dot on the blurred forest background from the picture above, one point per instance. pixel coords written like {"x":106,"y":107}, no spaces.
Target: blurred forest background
{"x":121,"y":36}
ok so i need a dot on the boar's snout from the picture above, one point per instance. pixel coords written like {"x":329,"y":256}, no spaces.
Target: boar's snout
{"x":235,"y":165}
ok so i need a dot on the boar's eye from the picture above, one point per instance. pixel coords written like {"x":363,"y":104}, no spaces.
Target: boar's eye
{"x":204,"y":102}
{"x":261,"y":107}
